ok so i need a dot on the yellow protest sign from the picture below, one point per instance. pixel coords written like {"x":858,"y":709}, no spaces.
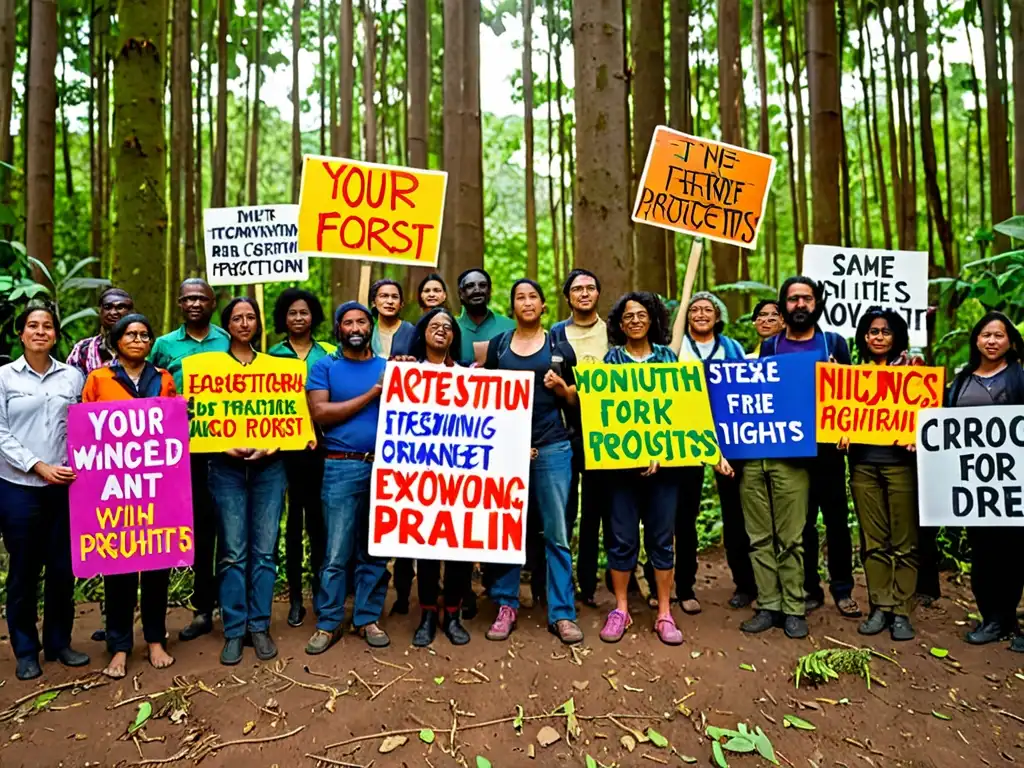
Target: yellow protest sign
{"x":354,"y":210}
{"x":874,"y":404}
{"x":636,"y":414}
{"x":260,"y":405}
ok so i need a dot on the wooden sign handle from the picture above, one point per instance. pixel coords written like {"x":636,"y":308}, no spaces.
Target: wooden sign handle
{"x":364,"y":283}
{"x":679,"y":327}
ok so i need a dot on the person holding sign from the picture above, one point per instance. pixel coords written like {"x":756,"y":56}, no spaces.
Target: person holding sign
{"x":636,"y":326}
{"x":802,"y":302}
{"x":195,"y":336}
{"x":35,"y":392}
{"x":883,"y":482}
{"x":344,"y":399}
{"x":432,"y":292}
{"x":993,"y":376}
{"x":131,"y":376}
{"x":529,"y":348}
{"x":248,"y":487}
{"x":391,"y":334}
{"x":97,"y":351}
{"x":299,"y":313}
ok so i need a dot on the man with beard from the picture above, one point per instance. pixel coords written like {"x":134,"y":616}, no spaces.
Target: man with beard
{"x":802,"y":302}
{"x":477,"y":322}
{"x":94,"y":352}
{"x":344,"y":400}
{"x":195,"y":336}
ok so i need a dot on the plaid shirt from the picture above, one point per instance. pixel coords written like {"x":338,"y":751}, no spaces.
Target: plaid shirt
{"x":90,"y":354}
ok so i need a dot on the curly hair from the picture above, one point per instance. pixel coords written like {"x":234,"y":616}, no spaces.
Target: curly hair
{"x":418,"y":348}
{"x":656,"y":310}
{"x":896,"y":323}
{"x":288,"y":297}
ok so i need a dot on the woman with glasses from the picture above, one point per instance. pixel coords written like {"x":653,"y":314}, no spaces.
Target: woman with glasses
{"x":131,"y":376}
{"x":767,"y":321}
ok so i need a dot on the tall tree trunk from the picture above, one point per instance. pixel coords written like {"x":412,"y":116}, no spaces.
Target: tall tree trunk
{"x":254,"y":131}
{"x":469,"y":229}
{"x":453,"y":132}
{"x":999,"y":161}
{"x":647,"y":27}
{"x":219,"y":193}
{"x":908,"y":221}
{"x":798,"y":243}
{"x":95,"y":184}
{"x":171,"y":272}
{"x":680,"y":117}
{"x":8,"y":34}
{"x":345,"y":272}
{"x":103,"y":82}
{"x":531,"y":200}
{"x":383,"y":113}
{"x":140,"y":149}
{"x":322,"y":47}
{"x":894,"y":163}
{"x":567,"y":159}
{"x":65,"y":145}
{"x":41,"y":130}
{"x":192,"y":267}
{"x":187,"y":264}
{"x":931,"y":170}
{"x":826,"y":126}
{"x":976,"y":93}
{"x":726,"y":257}
{"x":801,"y":129}
{"x":763,"y":140}
{"x":951,"y":268}
{"x":863,"y":142}
{"x":1017,"y":35}
{"x":296,"y":100}
{"x":602,"y":192}
{"x":875,"y":139}
{"x":550,"y":22}
{"x":417,"y":53}
{"x":369,"y":82}
{"x":911,"y":133}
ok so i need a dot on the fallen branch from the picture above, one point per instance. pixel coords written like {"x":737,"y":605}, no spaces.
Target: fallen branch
{"x":262,"y":740}
{"x":329,"y":761}
{"x":859,"y":648}
{"x":388,"y":685}
{"x":63,"y":687}
{"x":1018,"y":718}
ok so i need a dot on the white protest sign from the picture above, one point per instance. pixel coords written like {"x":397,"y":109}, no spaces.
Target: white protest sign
{"x":253,"y":244}
{"x":970,"y":466}
{"x":451,"y":471}
{"x":858,"y":278}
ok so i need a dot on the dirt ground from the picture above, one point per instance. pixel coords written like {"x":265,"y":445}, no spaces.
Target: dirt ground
{"x":933,"y":712}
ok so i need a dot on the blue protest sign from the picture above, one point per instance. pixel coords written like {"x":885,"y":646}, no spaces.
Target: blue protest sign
{"x":764,"y":409}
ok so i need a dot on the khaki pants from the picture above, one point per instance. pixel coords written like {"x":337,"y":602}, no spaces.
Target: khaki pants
{"x":885,"y":497}
{"x":774,"y":493}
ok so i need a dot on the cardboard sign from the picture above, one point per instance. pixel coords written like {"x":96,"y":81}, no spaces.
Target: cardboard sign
{"x":874,"y":404}
{"x":970,"y":466}
{"x":131,"y":504}
{"x":636,"y":414}
{"x":764,"y":409}
{"x":451,"y":473}
{"x":261,"y":405}
{"x":253,"y":244}
{"x":354,"y":210}
{"x":704,"y":188}
{"x":858,"y":278}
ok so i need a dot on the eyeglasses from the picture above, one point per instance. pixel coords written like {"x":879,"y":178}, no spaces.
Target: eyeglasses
{"x":641,"y":317}
{"x":122,"y":306}
{"x":435,"y":327}
{"x":142,"y":336}
{"x":885,"y":333}
{"x":579,"y":290}
{"x":701,"y":311}
{"x":768,"y":316}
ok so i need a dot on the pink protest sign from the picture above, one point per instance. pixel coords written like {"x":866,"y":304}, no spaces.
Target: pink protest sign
{"x":131,"y":504}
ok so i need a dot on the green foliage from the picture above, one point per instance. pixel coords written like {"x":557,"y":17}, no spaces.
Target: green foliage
{"x":828,"y":664}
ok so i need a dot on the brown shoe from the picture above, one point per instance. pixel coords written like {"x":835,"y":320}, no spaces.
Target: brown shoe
{"x":568,"y":631}
{"x":375,"y":636}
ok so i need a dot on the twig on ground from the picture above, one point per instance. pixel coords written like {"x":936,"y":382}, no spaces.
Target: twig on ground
{"x":388,"y":685}
{"x":389,"y":664}
{"x":329,"y":761}
{"x":366,"y":685}
{"x":880,"y":655}
{"x":93,"y":678}
{"x":1018,"y":718}
{"x":262,"y":740}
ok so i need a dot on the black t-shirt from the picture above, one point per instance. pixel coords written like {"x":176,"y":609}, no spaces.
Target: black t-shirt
{"x":547,"y":427}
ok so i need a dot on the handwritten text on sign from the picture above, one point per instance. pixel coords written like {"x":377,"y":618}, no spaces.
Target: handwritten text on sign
{"x":639,"y":413}
{"x":874,"y":404}
{"x":857,"y":279}
{"x":451,"y":473}
{"x":704,"y":187}
{"x":764,"y":409}
{"x":257,"y":244}
{"x":354,"y":210}
{"x":970,"y":466}
{"x":261,"y":405}
{"x":131,"y":504}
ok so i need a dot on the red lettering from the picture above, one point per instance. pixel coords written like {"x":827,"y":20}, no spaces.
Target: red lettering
{"x":251,"y":426}
{"x":448,"y":486}
{"x":383,"y":490}
{"x":402,"y":192}
{"x":399,"y":228}
{"x":409,"y":528}
{"x":462,"y":394}
{"x":492,"y":531}
{"x":377,"y":228}
{"x":512,"y":531}
{"x":515,"y":485}
{"x":395,"y":389}
{"x":355,"y":173}
{"x":443,"y":528}
{"x":421,"y":232}
{"x":468,"y":542}
{"x":335,"y":176}
{"x":405,"y":483}
{"x":385,"y":521}
{"x":362,"y":232}
{"x":472,"y":491}
{"x":428,"y":489}
{"x":369,"y":188}
{"x":322,"y":227}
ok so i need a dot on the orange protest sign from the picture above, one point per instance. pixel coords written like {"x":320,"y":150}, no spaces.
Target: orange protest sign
{"x":704,"y":188}
{"x":371,"y":212}
{"x":874,"y":404}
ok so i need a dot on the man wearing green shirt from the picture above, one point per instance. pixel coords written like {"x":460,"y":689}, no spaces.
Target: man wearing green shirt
{"x":477,"y":322}
{"x":196,"y":335}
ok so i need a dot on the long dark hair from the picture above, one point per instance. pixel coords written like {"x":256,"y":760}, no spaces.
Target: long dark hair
{"x":656,"y":334}
{"x":284,"y":302}
{"x":225,"y":318}
{"x":418,"y":348}
{"x":1013,"y":355}
{"x":433,"y":277}
{"x":896,"y":323}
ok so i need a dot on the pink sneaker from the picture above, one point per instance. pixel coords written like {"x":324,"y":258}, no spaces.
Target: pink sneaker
{"x":667,"y":631}
{"x":615,"y":626}
{"x":503,"y":625}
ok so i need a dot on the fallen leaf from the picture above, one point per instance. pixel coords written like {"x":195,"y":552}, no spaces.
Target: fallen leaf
{"x":518,"y":722}
{"x":810,"y":705}
{"x":686,"y":758}
{"x":81,"y":736}
{"x":438,"y":680}
{"x":391,"y":743}
{"x":44,"y":699}
{"x":145,"y":712}
{"x":939,"y":653}
{"x":427,"y":736}
{"x":591,"y":762}
{"x":719,"y":755}
{"x":249,"y":727}
{"x":792,"y":721}
{"x":482,"y":762}
{"x":547,"y":736}
{"x":694,"y":654}
{"x":656,"y":738}
{"x":628,"y":742}
{"x":748,"y":667}
{"x":580,"y":685}
{"x":739,"y":744}
{"x":941,"y":716}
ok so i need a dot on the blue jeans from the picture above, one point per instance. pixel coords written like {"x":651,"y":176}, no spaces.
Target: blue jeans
{"x":249,"y":499}
{"x":549,"y":489}
{"x":346,"y":504}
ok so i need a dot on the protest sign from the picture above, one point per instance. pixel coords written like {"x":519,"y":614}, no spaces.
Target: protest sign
{"x":131,"y":503}
{"x":704,"y":188}
{"x":354,"y":210}
{"x":451,"y":470}
{"x":253,"y":244}
{"x":261,"y":405}
{"x":970,"y":466}
{"x":874,"y":404}
{"x":858,"y":278}
{"x":764,"y":409}
{"x":636,"y":414}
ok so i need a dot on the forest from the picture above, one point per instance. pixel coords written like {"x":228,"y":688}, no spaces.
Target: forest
{"x":895,"y":124}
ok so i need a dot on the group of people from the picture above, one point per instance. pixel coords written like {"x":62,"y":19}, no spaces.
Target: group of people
{"x":770,"y":508}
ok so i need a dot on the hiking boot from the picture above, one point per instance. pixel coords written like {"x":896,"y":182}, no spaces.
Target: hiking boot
{"x":568,"y":631}
{"x":1016,"y":645}
{"x":615,"y":626}
{"x":503,"y":625}
{"x":795,"y":627}
{"x":28,"y":668}
{"x":69,"y":657}
{"x":264,"y":645}
{"x":762,"y":621}
{"x":667,"y":631}
{"x":457,"y":634}
{"x":740,"y":600}
{"x":812,"y":604}
{"x":875,"y":623}
{"x":232,"y":653}
{"x":427,"y":629}
{"x":296,"y":613}
{"x":901,"y":629}
{"x":201,"y":624}
{"x":986,"y":632}
{"x":375,"y":636}
{"x":322,"y":640}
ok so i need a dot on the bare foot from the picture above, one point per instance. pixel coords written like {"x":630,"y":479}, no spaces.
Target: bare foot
{"x":158,"y":657}
{"x":117,"y":668}
{"x":691,"y":606}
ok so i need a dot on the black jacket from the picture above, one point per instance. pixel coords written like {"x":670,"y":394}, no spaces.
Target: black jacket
{"x":1014,"y":386}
